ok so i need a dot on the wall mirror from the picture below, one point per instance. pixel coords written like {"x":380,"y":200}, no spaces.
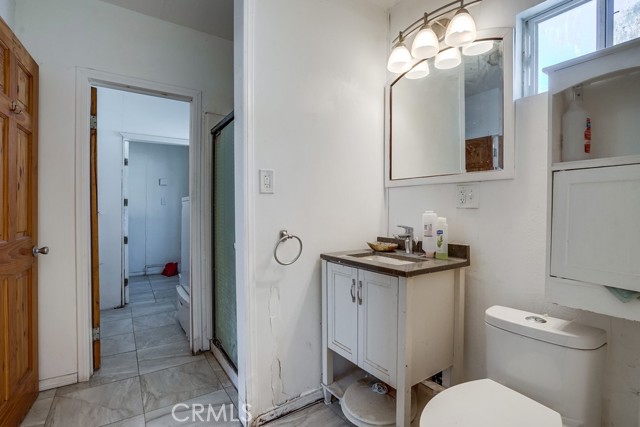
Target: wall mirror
{"x":454,"y":125}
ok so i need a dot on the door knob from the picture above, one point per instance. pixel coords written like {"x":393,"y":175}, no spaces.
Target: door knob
{"x":43,"y":250}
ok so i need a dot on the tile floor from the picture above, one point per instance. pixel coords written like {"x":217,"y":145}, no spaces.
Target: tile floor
{"x":147,"y":368}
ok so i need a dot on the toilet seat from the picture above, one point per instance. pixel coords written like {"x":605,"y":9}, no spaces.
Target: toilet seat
{"x":485,"y":403}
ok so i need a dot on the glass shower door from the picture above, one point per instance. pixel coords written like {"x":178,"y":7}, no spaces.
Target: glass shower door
{"x":224,"y":260}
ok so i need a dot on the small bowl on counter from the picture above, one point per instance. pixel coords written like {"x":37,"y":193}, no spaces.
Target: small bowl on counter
{"x":383,"y":246}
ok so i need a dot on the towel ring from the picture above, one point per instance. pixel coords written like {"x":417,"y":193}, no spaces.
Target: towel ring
{"x":284,"y":236}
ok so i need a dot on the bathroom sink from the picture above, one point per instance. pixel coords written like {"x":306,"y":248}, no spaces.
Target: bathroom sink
{"x":392,"y":259}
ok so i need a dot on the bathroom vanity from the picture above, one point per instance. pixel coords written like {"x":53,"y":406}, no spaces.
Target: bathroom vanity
{"x":395,"y":316}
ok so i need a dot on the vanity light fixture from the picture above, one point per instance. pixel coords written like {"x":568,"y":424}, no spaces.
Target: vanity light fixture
{"x":436,"y":36}
{"x":477,"y":48}
{"x":448,"y":58}
{"x":400,"y":58}
{"x":419,"y":71}
{"x":461,"y":30}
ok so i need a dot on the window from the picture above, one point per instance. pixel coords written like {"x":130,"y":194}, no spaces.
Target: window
{"x":573,"y":28}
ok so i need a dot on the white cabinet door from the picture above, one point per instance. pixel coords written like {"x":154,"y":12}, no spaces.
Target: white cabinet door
{"x":595,"y":232}
{"x":378,"y":325}
{"x":342,"y":307}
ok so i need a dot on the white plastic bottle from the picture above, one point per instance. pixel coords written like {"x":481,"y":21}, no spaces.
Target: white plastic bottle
{"x":575,"y":121}
{"x":442,"y":238}
{"x":429,"y":219}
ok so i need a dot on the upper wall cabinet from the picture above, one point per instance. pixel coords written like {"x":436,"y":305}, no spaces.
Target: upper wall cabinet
{"x":593,"y":235}
{"x":453,"y":125}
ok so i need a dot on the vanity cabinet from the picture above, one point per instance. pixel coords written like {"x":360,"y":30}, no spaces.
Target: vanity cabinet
{"x":594,"y":204}
{"x":362,"y":321}
{"x":401,"y":324}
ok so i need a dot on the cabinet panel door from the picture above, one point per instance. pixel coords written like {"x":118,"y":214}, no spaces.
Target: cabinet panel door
{"x":342,"y":319}
{"x":378,"y":325}
{"x":595,"y":232}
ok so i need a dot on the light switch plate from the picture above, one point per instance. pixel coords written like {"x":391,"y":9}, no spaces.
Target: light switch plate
{"x":266,"y":181}
{"x":467,"y":196}
{"x":162,"y":182}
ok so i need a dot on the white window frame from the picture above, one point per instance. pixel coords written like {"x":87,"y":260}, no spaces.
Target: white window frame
{"x":550,"y":9}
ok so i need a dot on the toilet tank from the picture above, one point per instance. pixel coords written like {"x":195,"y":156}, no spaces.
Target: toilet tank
{"x":556,"y":362}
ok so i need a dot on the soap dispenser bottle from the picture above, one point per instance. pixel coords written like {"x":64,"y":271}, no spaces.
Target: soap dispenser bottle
{"x":442,"y":238}
{"x":429,"y":219}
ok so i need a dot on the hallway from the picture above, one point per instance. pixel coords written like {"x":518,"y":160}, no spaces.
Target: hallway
{"x":147,"y":368}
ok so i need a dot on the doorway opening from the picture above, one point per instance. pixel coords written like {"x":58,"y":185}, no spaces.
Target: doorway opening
{"x":140,"y":222}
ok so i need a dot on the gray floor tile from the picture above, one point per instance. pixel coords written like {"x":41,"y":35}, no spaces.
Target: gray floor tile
{"x":139,"y":289}
{"x":46,"y":394}
{"x":168,"y":293}
{"x":233,"y":395}
{"x":129,"y":422}
{"x":115,"y":368}
{"x":97,"y":406}
{"x":218,"y":401}
{"x":173,"y":385}
{"x":172,"y":301}
{"x":115,"y":314}
{"x":138,"y":279}
{"x":159,"y":336}
{"x":117,"y":344}
{"x":163,"y":286}
{"x":142,"y":297}
{"x":109,"y":328}
{"x":222,"y":376}
{"x":155,"y":320}
{"x":316,"y":415}
{"x":37,"y":415}
{"x":166,"y":356}
{"x":151,"y":308}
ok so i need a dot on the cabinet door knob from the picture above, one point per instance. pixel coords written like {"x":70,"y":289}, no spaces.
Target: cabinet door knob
{"x":353,"y":290}
{"x":360,"y":292}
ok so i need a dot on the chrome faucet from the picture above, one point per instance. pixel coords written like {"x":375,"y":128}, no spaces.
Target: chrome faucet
{"x":408,"y":238}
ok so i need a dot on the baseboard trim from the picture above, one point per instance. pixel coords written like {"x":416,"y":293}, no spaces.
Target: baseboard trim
{"x":56,"y":382}
{"x":290,"y":406}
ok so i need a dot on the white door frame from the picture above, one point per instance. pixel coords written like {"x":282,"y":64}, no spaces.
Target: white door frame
{"x":199,"y":191}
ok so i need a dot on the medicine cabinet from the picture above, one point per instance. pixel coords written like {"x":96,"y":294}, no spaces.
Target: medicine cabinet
{"x":593,"y":232}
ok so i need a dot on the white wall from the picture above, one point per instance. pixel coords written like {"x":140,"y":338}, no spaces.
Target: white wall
{"x":128,"y":112}
{"x":154,"y":228}
{"x":8,"y":11}
{"x":507,"y":235}
{"x":65,"y":34}
{"x":318,"y":103}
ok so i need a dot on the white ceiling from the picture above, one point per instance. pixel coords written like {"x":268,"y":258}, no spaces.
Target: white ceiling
{"x":209,"y":16}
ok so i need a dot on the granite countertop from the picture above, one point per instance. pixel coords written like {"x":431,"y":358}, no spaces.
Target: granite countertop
{"x":459,"y":256}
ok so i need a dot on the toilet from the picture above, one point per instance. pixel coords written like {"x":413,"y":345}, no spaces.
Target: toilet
{"x":542,"y":372}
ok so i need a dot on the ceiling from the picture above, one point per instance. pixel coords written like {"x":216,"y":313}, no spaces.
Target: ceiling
{"x":210,"y":16}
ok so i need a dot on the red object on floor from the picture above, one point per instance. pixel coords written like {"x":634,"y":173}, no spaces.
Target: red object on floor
{"x":170,"y":269}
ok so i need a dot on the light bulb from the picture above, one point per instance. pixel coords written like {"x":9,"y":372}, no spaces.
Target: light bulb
{"x":461,"y":30}
{"x":419,"y":71}
{"x":425,"y":45}
{"x":448,"y":58}
{"x":400,"y":59}
{"x":477,"y":48}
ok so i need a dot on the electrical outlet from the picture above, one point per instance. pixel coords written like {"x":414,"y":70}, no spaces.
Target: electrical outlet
{"x":266,"y":181}
{"x":467,"y":196}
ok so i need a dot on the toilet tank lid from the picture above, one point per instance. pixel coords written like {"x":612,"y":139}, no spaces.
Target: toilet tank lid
{"x":541,"y":327}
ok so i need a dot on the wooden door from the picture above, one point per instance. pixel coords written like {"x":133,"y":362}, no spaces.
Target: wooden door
{"x":95,"y":253}
{"x":18,"y":230}
{"x":378,"y":325}
{"x":342,"y":310}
